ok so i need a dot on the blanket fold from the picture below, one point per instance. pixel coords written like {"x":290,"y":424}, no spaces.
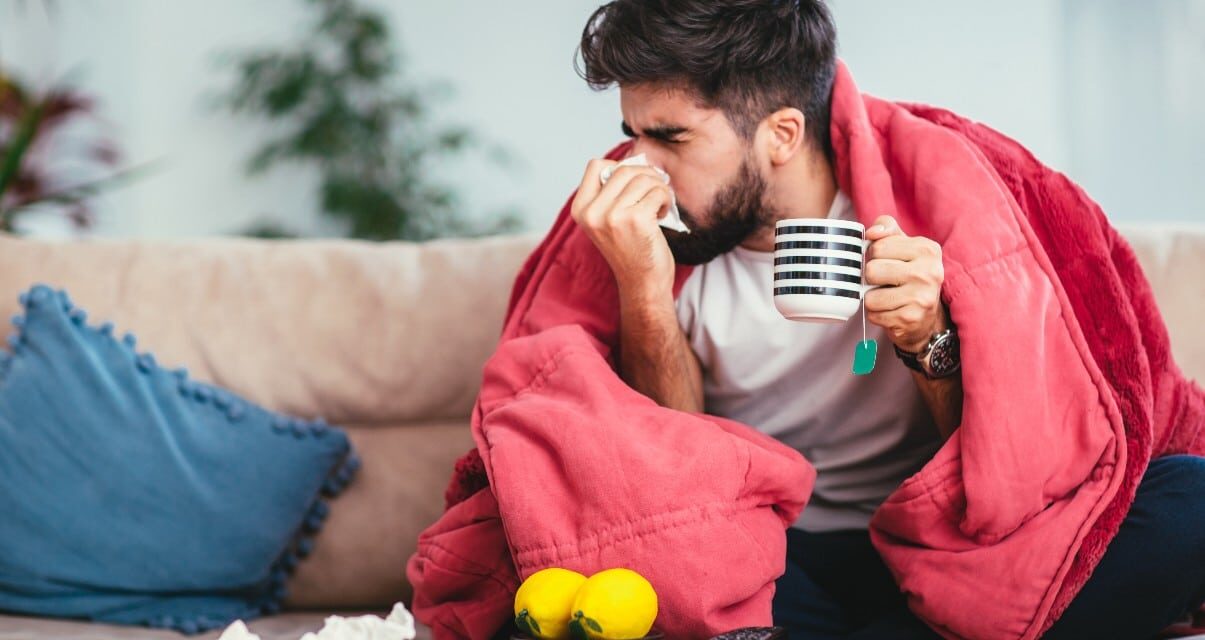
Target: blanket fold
{"x":590,"y":474}
{"x":1069,"y":391}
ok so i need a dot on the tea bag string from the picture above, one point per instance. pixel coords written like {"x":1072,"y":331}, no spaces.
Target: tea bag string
{"x":865,"y":289}
{"x":864,"y":317}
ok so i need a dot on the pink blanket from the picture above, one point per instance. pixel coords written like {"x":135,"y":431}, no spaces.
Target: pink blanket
{"x":1069,"y":388}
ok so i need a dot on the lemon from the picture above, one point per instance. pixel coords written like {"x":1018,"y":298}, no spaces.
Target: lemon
{"x":543,"y":602}
{"x":616,"y":604}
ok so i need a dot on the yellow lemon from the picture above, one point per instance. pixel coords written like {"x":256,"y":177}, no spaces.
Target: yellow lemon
{"x":616,"y":604}
{"x":544,"y":600}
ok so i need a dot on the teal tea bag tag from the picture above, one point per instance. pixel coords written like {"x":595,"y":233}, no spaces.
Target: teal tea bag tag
{"x":866,"y":350}
{"x":864,"y":355}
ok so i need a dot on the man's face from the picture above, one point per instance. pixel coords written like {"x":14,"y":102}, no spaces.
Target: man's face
{"x":717,"y":181}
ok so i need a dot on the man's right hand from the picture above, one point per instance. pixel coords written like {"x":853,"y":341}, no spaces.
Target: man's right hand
{"x":620,"y":218}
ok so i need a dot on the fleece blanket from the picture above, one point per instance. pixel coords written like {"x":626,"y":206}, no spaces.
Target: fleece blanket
{"x":1069,"y":391}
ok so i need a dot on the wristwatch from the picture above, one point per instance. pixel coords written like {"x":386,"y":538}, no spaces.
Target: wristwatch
{"x":938,"y":359}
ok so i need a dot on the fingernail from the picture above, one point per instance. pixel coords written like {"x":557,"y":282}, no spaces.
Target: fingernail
{"x":878,"y":228}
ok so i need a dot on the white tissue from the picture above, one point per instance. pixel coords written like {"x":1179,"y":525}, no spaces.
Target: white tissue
{"x":237,"y":631}
{"x":398,"y":626}
{"x":672,"y":219}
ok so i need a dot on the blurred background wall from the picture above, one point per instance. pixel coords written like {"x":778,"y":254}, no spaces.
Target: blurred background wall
{"x":1108,"y":91}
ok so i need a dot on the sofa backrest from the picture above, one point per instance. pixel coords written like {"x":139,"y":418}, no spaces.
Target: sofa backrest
{"x":1173,"y":259}
{"x":382,"y":333}
{"x":355,"y":332}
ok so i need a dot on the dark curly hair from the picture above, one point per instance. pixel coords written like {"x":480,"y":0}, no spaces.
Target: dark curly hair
{"x":748,"y":58}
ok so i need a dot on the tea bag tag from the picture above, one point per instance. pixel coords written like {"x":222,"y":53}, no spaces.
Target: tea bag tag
{"x":865,"y":351}
{"x":864,"y":356}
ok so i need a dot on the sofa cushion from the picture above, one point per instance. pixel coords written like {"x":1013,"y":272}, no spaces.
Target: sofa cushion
{"x":132,"y":494}
{"x":286,"y":626}
{"x":359,"y":558}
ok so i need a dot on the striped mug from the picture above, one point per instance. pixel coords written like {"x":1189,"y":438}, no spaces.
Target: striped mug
{"x":818,"y":268}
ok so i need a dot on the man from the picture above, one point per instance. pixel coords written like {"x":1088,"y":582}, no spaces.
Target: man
{"x":732,"y":100}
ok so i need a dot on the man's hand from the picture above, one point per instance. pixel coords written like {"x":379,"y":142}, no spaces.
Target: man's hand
{"x":910,"y":308}
{"x":909,"y":305}
{"x":620,"y":218}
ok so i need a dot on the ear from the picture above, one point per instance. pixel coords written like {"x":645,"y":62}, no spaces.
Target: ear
{"x":785,"y":133}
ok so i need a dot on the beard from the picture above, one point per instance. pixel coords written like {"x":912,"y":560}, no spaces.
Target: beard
{"x":736,"y":212}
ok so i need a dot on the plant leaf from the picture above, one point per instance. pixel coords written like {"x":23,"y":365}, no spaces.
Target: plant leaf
{"x":26,"y":130}
{"x":77,"y":193}
{"x":337,"y":102}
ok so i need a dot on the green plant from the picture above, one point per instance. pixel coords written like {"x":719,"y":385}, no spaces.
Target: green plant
{"x":344,"y":108}
{"x":28,"y":173}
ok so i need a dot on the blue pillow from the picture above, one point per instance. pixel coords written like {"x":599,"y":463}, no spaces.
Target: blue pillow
{"x":131,"y":494}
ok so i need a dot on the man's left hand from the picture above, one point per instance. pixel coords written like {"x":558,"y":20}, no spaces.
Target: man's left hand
{"x":909,"y":305}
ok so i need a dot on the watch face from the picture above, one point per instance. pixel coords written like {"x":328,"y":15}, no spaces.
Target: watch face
{"x":943,"y":357}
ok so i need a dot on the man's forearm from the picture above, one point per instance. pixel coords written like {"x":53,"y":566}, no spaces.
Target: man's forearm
{"x":944,"y":399}
{"x":943,"y":396}
{"x":654,"y":356}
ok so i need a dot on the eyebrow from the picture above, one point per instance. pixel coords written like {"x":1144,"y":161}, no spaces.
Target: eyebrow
{"x":665,"y":133}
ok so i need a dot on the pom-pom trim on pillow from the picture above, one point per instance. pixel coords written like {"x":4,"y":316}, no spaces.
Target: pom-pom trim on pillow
{"x":234,"y":409}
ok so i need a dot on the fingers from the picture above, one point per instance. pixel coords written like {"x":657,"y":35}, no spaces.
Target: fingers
{"x":591,"y":184}
{"x":639,"y":190}
{"x":637,"y":208}
{"x":919,"y":266}
{"x":622,"y":176}
{"x":591,"y":190}
{"x":891,"y":298}
{"x":885,"y":272}
{"x":898,"y":321}
{"x":908,"y":305}
{"x":638,"y":187}
{"x":883,"y":227}
{"x":901,"y":247}
{"x":654,"y":205}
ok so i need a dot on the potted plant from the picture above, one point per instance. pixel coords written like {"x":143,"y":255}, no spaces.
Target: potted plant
{"x":31,"y":173}
{"x":342,"y":106}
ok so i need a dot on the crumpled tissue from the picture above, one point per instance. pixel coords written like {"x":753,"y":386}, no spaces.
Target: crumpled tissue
{"x":398,"y":626}
{"x":672,"y":219}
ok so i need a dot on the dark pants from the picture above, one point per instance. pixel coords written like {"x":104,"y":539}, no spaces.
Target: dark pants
{"x":1153,"y":572}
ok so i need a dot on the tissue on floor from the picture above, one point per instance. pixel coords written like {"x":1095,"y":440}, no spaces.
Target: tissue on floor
{"x":398,"y":626}
{"x":237,"y":631}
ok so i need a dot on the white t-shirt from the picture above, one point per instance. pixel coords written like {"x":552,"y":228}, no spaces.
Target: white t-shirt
{"x":792,"y":380}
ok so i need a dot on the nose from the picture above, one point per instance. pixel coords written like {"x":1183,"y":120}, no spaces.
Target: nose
{"x":642,"y":145}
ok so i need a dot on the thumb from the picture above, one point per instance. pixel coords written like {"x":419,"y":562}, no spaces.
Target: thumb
{"x":883,"y":226}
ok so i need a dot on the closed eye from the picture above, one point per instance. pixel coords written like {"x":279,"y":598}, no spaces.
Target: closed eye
{"x":668,"y":134}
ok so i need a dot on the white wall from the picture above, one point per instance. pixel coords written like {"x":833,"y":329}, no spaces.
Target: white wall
{"x":512,"y":67}
{"x":1135,"y":118}
{"x":1122,"y":120}
{"x":996,"y":62}
{"x":151,"y":64}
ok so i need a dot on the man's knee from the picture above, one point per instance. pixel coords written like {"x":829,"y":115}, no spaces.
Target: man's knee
{"x":1180,"y":475}
{"x":1177,"y":495}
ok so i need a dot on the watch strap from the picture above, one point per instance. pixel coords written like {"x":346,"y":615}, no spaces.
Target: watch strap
{"x":916,"y":361}
{"x":910,"y":360}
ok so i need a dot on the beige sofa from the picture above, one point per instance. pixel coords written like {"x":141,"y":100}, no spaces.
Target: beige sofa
{"x":385,"y":339}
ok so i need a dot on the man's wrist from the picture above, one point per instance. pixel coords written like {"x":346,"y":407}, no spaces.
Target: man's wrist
{"x":938,"y":359}
{"x":940,"y":324}
{"x":642,"y":296}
